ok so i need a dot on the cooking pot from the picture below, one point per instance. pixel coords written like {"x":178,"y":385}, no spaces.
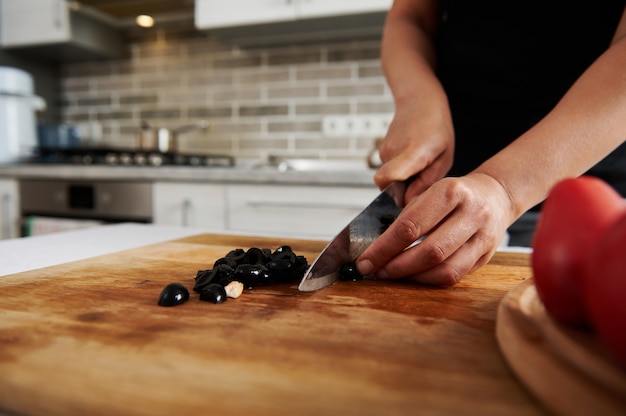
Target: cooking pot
{"x":18,"y":125}
{"x":165,"y":140}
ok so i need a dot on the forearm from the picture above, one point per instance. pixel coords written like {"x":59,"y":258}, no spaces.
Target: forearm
{"x":585,"y":126}
{"x":408,"y":54}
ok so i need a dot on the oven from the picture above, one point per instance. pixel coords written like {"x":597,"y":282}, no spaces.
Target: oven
{"x":53,"y":205}
{"x":58,"y":205}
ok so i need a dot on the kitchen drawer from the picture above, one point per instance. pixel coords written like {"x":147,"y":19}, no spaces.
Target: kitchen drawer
{"x":311,"y":211}
{"x":189,"y":205}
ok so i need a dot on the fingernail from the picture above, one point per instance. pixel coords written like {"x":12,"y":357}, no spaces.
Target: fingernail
{"x":365,"y":267}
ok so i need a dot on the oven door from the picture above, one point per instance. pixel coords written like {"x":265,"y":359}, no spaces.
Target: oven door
{"x":57,"y":205}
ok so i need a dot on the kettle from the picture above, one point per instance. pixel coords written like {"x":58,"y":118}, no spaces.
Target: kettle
{"x":18,"y":125}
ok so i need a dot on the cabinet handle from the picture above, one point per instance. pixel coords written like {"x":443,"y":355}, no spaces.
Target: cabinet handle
{"x":6,"y":216}
{"x":317,"y":205}
{"x":186,"y":209}
{"x":58,"y":13}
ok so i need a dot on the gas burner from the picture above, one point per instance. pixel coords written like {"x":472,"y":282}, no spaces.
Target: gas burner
{"x":112,"y":157}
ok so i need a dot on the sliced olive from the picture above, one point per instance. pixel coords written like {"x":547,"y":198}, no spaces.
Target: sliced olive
{"x":349,"y":272}
{"x":252,"y":275}
{"x":255,"y":256}
{"x":213,"y":293}
{"x":222,"y":274}
{"x":173,"y":294}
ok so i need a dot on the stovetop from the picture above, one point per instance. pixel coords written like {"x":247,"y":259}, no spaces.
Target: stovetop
{"x":127,"y":157}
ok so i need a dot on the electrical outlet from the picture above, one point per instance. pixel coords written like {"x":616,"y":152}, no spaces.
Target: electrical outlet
{"x":356,"y":126}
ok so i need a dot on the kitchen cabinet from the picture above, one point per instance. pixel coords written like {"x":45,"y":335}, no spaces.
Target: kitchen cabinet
{"x":28,"y":22}
{"x":278,"y":21}
{"x":298,"y":211}
{"x":213,"y":13}
{"x":289,"y":210}
{"x":319,"y":8}
{"x":56,"y":30}
{"x":189,"y":205}
{"x":9,"y":209}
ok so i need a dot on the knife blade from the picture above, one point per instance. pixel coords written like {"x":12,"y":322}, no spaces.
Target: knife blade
{"x":358,"y":235}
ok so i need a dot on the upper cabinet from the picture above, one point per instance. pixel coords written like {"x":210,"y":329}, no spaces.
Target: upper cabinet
{"x":323,"y":8}
{"x":30,"y":22}
{"x":55,"y":30}
{"x":213,"y":14}
{"x":279,"y":21}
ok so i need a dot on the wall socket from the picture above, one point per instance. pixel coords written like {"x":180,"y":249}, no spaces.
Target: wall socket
{"x":374,"y":125}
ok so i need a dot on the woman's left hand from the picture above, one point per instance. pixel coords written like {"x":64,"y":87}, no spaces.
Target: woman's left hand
{"x":462,"y":222}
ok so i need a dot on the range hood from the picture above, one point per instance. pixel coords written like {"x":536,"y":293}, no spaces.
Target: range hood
{"x":58,"y":31}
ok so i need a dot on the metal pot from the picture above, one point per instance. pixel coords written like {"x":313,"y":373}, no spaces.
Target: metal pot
{"x":165,"y":140}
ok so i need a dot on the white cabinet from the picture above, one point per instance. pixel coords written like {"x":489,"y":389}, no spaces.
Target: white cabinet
{"x":295,"y":211}
{"x":214,"y":14}
{"x":9,"y":209}
{"x":27,"y":22}
{"x":211,"y":14}
{"x":57,"y":30}
{"x":299,"y":211}
{"x":189,"y":205}
{"x":321,"y":8}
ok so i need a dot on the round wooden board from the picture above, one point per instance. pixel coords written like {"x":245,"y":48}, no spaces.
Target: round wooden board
{"x":566,"y":369}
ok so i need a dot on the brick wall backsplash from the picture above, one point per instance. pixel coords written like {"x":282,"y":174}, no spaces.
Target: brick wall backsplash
{"x":258,"y":101}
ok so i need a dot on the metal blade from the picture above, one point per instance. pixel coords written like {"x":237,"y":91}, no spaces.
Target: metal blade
{"x":348,"y":245}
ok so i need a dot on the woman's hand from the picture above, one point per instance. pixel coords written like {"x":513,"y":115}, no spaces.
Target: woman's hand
{"x":420,"y":142}
{"x":462,"y":221}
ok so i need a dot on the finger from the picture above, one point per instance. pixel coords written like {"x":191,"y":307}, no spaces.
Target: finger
{"x":429,"y":175}
{"x":442,"y":242}
{"x":416,"y":219}
{"x":397,"y":169}
{"x":467,"y":259}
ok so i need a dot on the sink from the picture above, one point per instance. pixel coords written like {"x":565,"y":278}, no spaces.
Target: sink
{"x":284,"y":164}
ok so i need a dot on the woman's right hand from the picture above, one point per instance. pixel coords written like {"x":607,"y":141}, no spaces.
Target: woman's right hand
{"x":420,"y":143}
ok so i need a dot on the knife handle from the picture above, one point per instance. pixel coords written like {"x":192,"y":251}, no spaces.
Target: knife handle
{"x":397,"y":189}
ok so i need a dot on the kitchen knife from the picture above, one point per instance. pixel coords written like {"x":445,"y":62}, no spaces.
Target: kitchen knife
{"x":358,"y":235}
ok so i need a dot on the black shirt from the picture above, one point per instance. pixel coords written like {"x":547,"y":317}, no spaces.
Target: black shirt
{"x":504,"y":65}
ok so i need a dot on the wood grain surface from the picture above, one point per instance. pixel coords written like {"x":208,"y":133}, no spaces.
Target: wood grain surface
{"x":566,"y":368}
{"x":87,"y":338}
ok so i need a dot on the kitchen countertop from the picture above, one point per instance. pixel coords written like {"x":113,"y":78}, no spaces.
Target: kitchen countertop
{"x":240,"y":173}
{"x":30,"y":253}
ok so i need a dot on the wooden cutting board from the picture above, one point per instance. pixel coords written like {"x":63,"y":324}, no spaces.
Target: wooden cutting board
{"x":566,"y":368}
{"x":87,"y":338}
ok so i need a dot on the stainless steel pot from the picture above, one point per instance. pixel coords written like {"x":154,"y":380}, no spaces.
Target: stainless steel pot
{"x":165,"y":140}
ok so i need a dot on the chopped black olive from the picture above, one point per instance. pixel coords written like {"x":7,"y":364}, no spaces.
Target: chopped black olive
{"x":213,"y":293}
{"x":349,"y":272}
{"x":254,"y":267}
{"x":255,"y":256}
{"x":252,"y":275}
{"x":221,"y":274}
{"x":173,"y":294}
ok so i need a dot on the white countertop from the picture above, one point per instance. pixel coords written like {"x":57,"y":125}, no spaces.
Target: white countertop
{"x":29,"y":253}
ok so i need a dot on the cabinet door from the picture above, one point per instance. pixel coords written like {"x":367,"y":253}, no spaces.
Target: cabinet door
{"x":33,"y":22}
{"x":215,"y":13}
{"x":189,"y":205}
{"x":295,"y":211}
{"x":9,"y":209}
{"x":320,"y":8}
